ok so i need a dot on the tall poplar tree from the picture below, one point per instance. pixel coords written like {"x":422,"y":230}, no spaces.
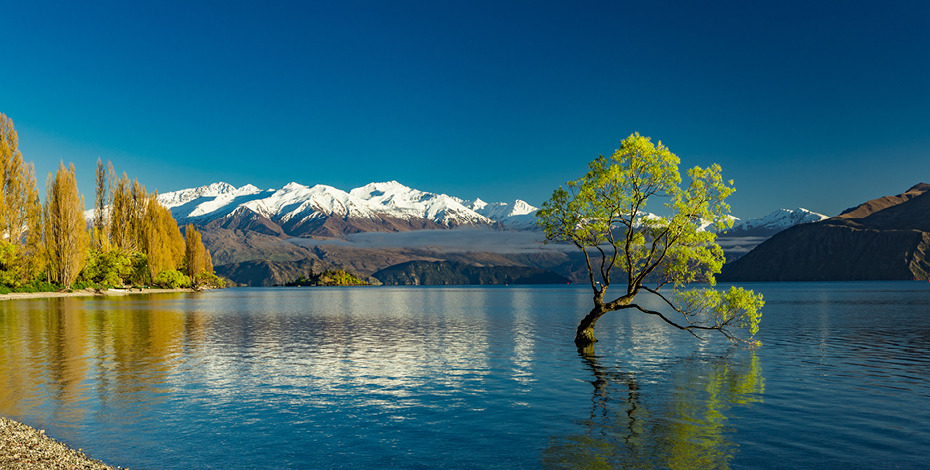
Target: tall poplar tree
{"x":19,"y":205}
{"x":17,"y":180}
{"x":121,"y":215}
{"x":100,"y":237}
{"x":65,"y":230}
{"x":164,"y":244}
{"x":194,"y":252}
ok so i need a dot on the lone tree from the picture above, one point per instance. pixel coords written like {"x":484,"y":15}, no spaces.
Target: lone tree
{"x":603,"y":214}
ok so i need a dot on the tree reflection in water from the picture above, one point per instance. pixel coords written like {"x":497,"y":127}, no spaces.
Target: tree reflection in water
{"x":679,"y":422}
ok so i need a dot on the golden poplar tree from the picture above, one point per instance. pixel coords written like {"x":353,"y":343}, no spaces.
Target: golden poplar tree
{"x":121,"y":214}
{"x":164,"y":244}
{"x":19,"y":205}
{"x":17,"y":178}
{"x":207,"y":261}
{"x":100,"y":236}
{"x":194,"y":252}
{"x":9,"y":150}
{"x":65,"y":229}
{"x":34,"y":253}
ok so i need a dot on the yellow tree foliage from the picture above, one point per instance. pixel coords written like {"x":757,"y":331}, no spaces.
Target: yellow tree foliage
{"x":18,"y":185}
{"x":65,"y":230}
{"x":130,"y":220}
{"x":207,"y":261}
{"x":163,"y":242}
{"x":195,"y":252}
{"x":33,"y":253}
{"x":121,"y":215}
{"x":20,"y":211}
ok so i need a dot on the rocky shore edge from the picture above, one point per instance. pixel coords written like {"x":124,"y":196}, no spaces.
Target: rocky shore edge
{"x":88,"y":292}
{"x":24,"y":447}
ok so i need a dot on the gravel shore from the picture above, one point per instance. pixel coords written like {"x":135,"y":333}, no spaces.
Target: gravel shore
{"x":23,"y":447}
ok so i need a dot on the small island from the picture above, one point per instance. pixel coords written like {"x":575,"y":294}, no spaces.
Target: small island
{"x":329,"y":277}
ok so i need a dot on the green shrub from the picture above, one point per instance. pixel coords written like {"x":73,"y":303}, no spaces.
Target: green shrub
{"x":205,"y":279}
{"x":108,"y":268}
{"x":38,"y":286}
{"x":172,"y":279}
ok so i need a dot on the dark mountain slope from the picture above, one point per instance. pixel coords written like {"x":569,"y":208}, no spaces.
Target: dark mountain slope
{"x":432,"y":273}
{"x":889,"y":240}
{"x":263,"y":273}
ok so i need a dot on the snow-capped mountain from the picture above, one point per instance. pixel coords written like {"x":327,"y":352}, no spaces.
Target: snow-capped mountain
{"x":406,"y":203}
{"x":519,"y":215}
{"x":298,"y":210}
{"x":775,"y":222}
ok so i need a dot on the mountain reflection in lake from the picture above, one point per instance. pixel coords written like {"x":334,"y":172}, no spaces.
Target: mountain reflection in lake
{"x":468,"y":377}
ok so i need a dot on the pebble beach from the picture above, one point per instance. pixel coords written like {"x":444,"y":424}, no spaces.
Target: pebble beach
{"x":87,"y":292}
{"x":24,"y":447}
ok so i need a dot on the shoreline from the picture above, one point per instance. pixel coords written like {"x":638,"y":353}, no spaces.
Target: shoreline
{"x":24,"y":447}
{"x":90,"y":293}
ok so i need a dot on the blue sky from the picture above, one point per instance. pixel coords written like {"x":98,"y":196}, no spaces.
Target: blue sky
{"x":815,"y":104}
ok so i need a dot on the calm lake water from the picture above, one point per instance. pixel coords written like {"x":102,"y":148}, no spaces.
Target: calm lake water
{"x":470,"y":377}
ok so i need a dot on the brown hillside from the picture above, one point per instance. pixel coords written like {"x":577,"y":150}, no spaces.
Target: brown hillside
{"x":889,"y":241}
{"x":870,"y":207}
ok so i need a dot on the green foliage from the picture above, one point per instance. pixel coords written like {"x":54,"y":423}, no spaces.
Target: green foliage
{"x":108,"y":268}
{"x":8,"y":264}
{"x":337,"y":277}
{"x":80,"y":285}
{"x":32,"y":286}
{"x":172,"y":279}
{"x":603,"y":213}
{"x":208,"y":280}
{"x":140,"y":269}
{"x":340,"y":277}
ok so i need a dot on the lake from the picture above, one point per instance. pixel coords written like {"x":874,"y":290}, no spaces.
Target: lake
{"x":470,"y":377}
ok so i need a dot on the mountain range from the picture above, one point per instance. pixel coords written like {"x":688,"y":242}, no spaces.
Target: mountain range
{"x":322,"y":211}
{"x":263,"y":236}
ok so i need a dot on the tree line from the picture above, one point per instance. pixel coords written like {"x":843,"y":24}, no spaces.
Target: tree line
{"x":132,"y":239}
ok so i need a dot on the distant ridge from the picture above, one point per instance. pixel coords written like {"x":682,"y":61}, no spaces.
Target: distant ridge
{"x":773,"y":223}
{"x":887,"y":238}
{"x":433,"y":273}
{"x":869,"y":207}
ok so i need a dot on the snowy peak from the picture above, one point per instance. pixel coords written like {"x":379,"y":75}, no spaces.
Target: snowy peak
{"x":295,"y":200}
{"x":400,"y":201}
{"x":775,"y":222}
{"x":215,"y":200}
{"x":498,"y":211}
{"x":371,"y":190}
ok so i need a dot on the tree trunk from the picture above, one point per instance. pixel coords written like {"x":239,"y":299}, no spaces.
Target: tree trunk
{"x":585,"y":334}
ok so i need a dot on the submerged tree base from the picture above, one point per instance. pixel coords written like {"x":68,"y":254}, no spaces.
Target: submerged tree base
{"x":585,"y":338}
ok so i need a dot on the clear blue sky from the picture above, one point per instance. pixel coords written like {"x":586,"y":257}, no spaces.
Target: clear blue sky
{"x":815,"y":104}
